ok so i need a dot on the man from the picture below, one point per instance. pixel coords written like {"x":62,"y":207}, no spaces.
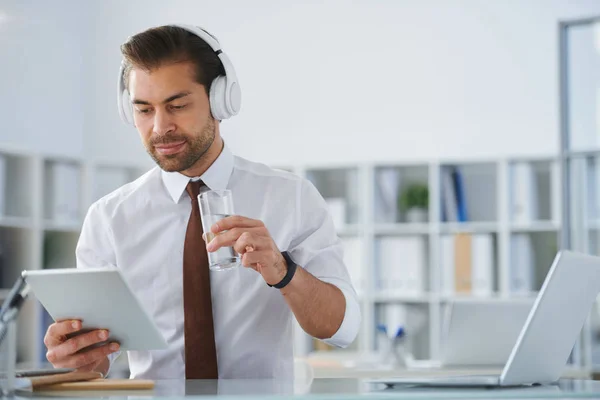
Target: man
{"x":291,"y":256}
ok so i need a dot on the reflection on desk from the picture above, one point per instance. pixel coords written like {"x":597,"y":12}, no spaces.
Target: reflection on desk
{"x":355,"y":365}
{"x":334,"y":388}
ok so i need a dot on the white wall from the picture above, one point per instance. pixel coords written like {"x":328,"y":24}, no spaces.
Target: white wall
{"x":42,"y":99}
{"x":343,"y":81}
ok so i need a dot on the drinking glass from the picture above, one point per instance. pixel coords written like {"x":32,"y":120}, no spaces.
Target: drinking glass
{"x":214,"y":206}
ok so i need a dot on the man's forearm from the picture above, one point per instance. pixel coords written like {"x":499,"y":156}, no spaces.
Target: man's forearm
{"x":318,"y":306}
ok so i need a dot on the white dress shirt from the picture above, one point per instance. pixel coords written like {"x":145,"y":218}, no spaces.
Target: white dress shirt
{"x":140,"y":228}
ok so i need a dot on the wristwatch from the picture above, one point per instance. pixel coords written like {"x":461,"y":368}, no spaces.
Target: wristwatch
{"x":291,"y":270}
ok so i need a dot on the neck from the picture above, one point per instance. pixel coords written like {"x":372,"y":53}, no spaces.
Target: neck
{"x":207,"y":158}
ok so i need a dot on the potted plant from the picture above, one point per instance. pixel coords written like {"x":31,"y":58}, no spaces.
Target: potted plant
{"x":414,"y":201}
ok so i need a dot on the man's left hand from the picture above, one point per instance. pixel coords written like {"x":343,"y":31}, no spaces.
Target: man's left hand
{"x":251,"y":239}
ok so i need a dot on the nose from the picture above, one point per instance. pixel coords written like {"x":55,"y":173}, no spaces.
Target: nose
{"x":163,"y":123}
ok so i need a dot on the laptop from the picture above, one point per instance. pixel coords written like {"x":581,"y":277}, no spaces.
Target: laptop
{"x":551,"y":330}
{"x":482,"y":332}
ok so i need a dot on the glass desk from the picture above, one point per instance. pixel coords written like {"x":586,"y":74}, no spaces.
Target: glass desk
{"x":329,"y":388}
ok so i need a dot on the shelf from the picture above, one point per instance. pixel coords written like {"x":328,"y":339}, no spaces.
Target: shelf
{"x":58,"y":226}
{"x":349,"y":230}
{"x":582,"y":153}
{"x":16,"y":222}
{"x":536,"y":226}
{"x":468,"y":227}
{"x":593,"y":224}
{"x":391,"y":297}
{"x":402,"y":229}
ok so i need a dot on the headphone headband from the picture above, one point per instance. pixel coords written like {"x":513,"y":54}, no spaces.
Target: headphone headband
{"x":225,"y":94}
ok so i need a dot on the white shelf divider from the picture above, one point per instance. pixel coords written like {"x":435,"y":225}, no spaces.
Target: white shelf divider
{"x":16,"y":222}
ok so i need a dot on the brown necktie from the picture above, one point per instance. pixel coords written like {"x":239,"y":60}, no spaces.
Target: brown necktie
{"x":200,"y":351}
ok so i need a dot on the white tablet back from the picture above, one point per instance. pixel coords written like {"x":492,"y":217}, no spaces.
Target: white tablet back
{"x":101,"y":299}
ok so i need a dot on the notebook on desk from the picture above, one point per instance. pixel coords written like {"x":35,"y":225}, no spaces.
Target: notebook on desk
{"x":547,"y":337}
{"x":80,"y":381}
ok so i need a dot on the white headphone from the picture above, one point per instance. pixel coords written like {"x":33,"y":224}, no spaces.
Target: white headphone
{"x":224,"y":94}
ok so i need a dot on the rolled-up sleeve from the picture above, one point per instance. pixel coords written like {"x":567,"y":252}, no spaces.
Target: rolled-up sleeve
{"x":95,"y":247}
{"x":318,"y":249}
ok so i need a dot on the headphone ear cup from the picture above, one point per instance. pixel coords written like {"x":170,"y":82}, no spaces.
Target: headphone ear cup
{"x":217,"y":98}
{"x":126,"y":106}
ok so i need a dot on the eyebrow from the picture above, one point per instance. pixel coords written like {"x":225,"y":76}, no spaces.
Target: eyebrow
{"x":165,"y":101}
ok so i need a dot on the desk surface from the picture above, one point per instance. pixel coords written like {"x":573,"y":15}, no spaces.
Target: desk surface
{"x":334,"y":388}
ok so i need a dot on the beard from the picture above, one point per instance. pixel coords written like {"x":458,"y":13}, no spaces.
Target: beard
{"x":196,"y":146}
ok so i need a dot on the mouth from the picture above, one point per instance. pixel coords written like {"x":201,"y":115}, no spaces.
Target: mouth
{"x":170,"y":148}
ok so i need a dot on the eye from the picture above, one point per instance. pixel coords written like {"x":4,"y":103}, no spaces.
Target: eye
{"x":143,"y":110}
{"x":181,"y":107}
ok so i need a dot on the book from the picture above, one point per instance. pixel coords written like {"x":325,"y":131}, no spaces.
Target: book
{"x":449,"y":201}
{"x":402,"y":262}
{"x":482,"y":264}
{"x":522,"y":262}
{"x":447,"y":264}
{"x":63,"y":183}
{"x":353,"y":259}
{"x":387,"y":184}
{"x":462,"y":263}
{"x":461,"y":200}
{"x":524,"y":200}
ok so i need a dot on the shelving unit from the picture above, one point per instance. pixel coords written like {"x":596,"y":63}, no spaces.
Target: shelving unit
{"x":31,"y":237}
{"x":43,"y":200}
{"x":503,"y":217}
{"x":579,"y":83}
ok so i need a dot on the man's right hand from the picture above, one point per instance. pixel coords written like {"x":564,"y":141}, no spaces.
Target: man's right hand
{"x":66,"y":352}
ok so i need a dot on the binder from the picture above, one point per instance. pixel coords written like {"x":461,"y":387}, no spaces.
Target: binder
{"x":447,"y":264}
{"x":353,"y":259}
{"x":482,"y":264}
{"x":402,"y":262}
{"x":462,"y":263}
{"x":524,"y":194}
{"x":522,"y":261}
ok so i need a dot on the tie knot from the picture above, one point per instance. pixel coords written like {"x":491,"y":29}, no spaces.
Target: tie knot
{"x":193,"y":189}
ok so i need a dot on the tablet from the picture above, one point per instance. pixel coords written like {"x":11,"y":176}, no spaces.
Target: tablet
{"x":101,"y":299}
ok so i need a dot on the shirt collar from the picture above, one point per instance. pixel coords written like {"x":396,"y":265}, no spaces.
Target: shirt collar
{"x":216,"y":177}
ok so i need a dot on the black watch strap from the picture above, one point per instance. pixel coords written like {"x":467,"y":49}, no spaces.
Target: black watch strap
{"x":291,"y":270}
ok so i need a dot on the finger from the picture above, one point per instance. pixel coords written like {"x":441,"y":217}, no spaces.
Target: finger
{"x":57,"y":332}
{"x":229,"y":238}
{"x":235,"y":221}
{"x":248,"y":242}
{"x":75,"y":344}
{"x":255,"y":257}
{"x":224,"y":239}
{"x":86,"y":358}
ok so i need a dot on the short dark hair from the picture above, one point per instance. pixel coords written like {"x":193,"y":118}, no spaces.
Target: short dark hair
{"x":167,"y":44}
